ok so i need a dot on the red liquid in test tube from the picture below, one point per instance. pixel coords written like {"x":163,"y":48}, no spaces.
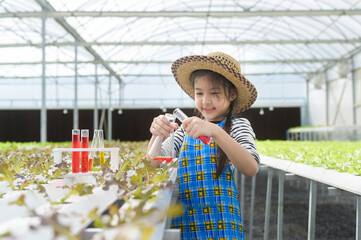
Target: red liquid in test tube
{"x":84,"y":155}
{"x":161,"y":159}
{"x":75,"y":155}
{"x":205,"y":140}
{"x":181,"y":116}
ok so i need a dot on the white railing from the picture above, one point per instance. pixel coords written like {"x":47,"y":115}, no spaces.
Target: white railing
{"x":351,"y":184}
{"x":325,"y":133}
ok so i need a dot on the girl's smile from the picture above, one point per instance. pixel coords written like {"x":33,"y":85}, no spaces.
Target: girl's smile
{"x":211,"y":100}
{"x":208,"y":110}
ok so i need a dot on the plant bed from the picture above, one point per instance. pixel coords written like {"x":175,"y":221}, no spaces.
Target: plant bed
{"x":42,"y":206}
{"x":336,"y":155}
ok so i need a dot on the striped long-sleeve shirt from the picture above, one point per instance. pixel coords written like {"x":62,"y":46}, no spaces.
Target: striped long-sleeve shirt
{"x":241,"y":131}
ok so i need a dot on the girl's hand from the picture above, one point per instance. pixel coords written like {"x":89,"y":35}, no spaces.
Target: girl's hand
{"x":196,"y":127}
{"x":162,"y":127}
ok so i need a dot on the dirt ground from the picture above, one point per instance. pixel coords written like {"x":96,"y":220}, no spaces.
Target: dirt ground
{"x":335,"y":216}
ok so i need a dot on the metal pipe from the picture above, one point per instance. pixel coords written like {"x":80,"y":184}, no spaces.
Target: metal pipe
{"x":110,"y":110}
{"x":268,"y":203}
{"x":181,"y":43}
{"x":154,"y":75}
{"x":43,"y":118}
{"x":261,"y":61}
{"x":121,"y":94}
{"x":354,"y":107}
{"x":253,"y":190}
{"x":243,"y":197}
{"x":76,"y":111}
{"x":281,"y":180}
{"x":306,"y":109}
{"x":95,"y":113}
{"x":194,"y":14}
{"x":312,"y":210}
{"x":327,"y":103}
{"x":358,"y":218}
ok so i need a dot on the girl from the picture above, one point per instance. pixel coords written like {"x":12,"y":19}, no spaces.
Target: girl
{"x":206,"y":187}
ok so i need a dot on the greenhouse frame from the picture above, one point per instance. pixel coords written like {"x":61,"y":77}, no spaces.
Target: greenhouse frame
{"x":106,"y":64}
{"x":90,"y":55}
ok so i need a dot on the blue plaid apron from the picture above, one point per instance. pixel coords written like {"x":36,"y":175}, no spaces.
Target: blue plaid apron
{"x":211,"y":208}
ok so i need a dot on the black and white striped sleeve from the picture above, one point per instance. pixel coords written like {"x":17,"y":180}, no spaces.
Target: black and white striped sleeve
{"x":178,"y":141}
{"x":243,"y":133}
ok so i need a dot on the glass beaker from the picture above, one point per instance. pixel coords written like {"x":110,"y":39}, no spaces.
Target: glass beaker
{"x":156,"y":153}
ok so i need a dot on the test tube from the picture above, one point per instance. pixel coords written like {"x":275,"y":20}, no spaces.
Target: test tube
{"x":75,"y":155}
{"x":155,"y":150}
{"x":94,"y":145}
{"x":182,"y":116}
{"x":85,"y":154}
{"x":101,"y":145}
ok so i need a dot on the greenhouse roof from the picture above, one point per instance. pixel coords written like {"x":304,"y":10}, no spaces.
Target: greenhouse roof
{"x":134,"y":42}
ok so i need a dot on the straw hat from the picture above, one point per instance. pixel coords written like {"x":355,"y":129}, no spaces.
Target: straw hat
{"x":220,"y":63}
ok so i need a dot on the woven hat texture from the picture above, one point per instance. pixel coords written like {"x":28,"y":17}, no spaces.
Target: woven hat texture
{"x":220,"y":63}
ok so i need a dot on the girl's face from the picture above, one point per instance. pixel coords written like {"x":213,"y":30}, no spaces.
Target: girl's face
{"x":211,"y":100}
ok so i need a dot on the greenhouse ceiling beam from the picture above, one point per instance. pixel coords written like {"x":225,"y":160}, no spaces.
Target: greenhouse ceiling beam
{"x":62,"y":22}
{"x":169,"y":62}
{"x":176,"y":14}
{"x":182,"y":43}
{"x":151,"y":75}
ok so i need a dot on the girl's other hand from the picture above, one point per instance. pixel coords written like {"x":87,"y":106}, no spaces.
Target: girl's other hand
{"x":196,"y":127}
{"x":162,"y":127}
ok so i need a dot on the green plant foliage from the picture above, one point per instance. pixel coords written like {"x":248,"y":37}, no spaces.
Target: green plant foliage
{"x":30,"y":165}
{"x":22,"y":165}
{"x":20,"y":201}
{"x":340,"y":156}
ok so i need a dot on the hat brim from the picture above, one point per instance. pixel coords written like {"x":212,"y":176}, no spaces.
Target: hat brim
{"x":183,"y":67}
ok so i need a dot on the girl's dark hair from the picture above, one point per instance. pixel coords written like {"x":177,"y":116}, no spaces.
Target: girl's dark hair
{"x":217,"y":80}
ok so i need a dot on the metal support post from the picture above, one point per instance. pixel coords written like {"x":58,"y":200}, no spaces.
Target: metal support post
{"x":76,"y":111}
{"x":253,"y":190}
{"x":243,"y":197}
{"x":312,"y":210}
{"x":43,"y":118}
{"x":110,"y":109}
{"x":305,"y":109}
{"x":268,"y":203}
{"x":354,"y":106}
{"x":121,"y":94}
{"x":358,"y":218}
{"x":235,"y":178}
{"x":327,"y":90}
{"x":95,"y":114}
{"x":171,"y":234}
{"x":281,"y":180}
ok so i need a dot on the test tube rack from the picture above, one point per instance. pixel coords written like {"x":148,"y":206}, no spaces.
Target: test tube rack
{"x":72,"y":178}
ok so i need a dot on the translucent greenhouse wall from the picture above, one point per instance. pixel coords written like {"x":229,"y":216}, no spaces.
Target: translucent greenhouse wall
{"x":273,"y":91}
{"x":335,"y":96}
